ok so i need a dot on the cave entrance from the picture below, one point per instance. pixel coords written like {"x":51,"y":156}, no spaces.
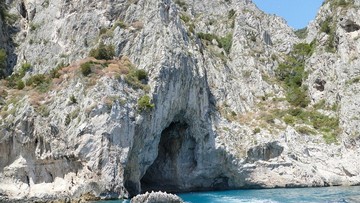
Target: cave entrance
{"x":175,"y":160}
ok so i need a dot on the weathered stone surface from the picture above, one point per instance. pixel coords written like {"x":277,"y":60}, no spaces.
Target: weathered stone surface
{"x":156,"y":197}
{"x":214,"y":124}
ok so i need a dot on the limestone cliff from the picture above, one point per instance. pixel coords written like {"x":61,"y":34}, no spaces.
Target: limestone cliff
{"x":181,"y":96}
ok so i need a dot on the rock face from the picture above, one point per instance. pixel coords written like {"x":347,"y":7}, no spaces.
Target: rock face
{"x":156,"y":197}
{"x":7,"y":47}
{"x":192,"y":100}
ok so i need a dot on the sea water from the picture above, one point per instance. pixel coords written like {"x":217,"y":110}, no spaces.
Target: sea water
{"x":288,"y":195}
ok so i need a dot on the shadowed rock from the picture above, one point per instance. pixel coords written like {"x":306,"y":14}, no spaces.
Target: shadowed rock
{"x":349,"y":25}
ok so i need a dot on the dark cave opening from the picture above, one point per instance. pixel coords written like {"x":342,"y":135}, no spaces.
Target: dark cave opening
{"x":175,"y":160}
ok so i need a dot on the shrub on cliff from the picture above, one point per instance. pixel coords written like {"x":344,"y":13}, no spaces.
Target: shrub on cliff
{"x":223,"y":42}
{"x":72,"y":99}
{"x":3,"y":57}
{"x":341,"y":3}
{"x":206,"y":36}
{"x":13,"y":80}
{"x":292,"y":73}
{"x":301,"y":33}
{"x":54,"y":73}
{"x":86,"y":68}
{"x":103,"y":52}
{"x":41,"y":81}
{"x":328,"y":27}
{"x":36,"y":80}
{"x":135,"y":79}
{"x":20,"y":85}
{"x":144,"y":103}
{"x":231,"y":13}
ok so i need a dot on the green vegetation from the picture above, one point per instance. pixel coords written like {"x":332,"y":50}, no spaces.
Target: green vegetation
{"x":353,"y":80}
{"x":189,"y":24}
{"x":72,"y":99}
{"x":85,"y":68}
{"x":106,"y":32}
{"x":54,"y":73}
{"x":207,"y":36}
{"x":328,"y":27}
{"x":75,"y":113}
{"x":5,"y":15}
{"x":256,"y":130}
{"x":305,"y":130}
{"x":223,"y":42}
{"x":25,"y":67}
{"x":231,"y":14}
{"x":320,"y":105}
{"x":297,"y":96}
{"x":191,"y":27}
{"x":43,"y":110}
{"x":20,"y":85}
{"x":341,"y":3}
{"x":120,"y":24}
{"x":103,"y":52}
{"x":3,"y":58}
{"x":103,"y":30}
{"x":253,"y":38}
{"x":3,"y":94}
{"x":34,"y":26}
{"x":291,"y":73}
{"x":301,"y":33}
{"x":67,"y":119}
{"x":330,"y":138}
{"x":289,"y":119}
{"x":306,"y":120}
{"x":40,"y":81}
{"x":181,"y":4}
{"x":144,"y":103}
{"x":185,"y":18}
{"x":325,"y":26}
{"x":135,"y":78}
{"x":36,"y":80}
{"x":15,"y":77}
{"x":141,"y":74}
{"x":46,"y":3}
{"x":2,"y":9}
{"x":322,"y":122}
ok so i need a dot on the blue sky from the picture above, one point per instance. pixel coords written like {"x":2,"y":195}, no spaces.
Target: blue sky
{"x":297,"y":13}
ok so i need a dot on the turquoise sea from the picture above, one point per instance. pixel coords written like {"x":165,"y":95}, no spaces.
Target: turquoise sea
{"x":289,"y":195}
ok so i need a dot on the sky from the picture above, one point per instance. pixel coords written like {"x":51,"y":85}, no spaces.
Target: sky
{"x":297,"y":13}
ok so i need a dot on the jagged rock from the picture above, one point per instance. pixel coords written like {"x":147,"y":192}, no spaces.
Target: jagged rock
{"x":349,"y":25}
{"x":215,"y":117}
{"x":319,"y":84}
{"x":264,"y":152}
{"x":156,"y":197}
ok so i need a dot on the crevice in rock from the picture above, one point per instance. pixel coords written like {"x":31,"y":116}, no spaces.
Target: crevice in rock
{"x":175,"y":160}
{"x":349,"y":25}
{"x":319,"y":84}
{"x":22,"y":9}
{"x":264,"y":152}
{"x":267,"y":38}
{"x":27,"y":180}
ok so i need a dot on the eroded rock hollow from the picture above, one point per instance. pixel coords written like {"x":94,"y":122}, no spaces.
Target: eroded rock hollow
{"x":176,"y":157}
